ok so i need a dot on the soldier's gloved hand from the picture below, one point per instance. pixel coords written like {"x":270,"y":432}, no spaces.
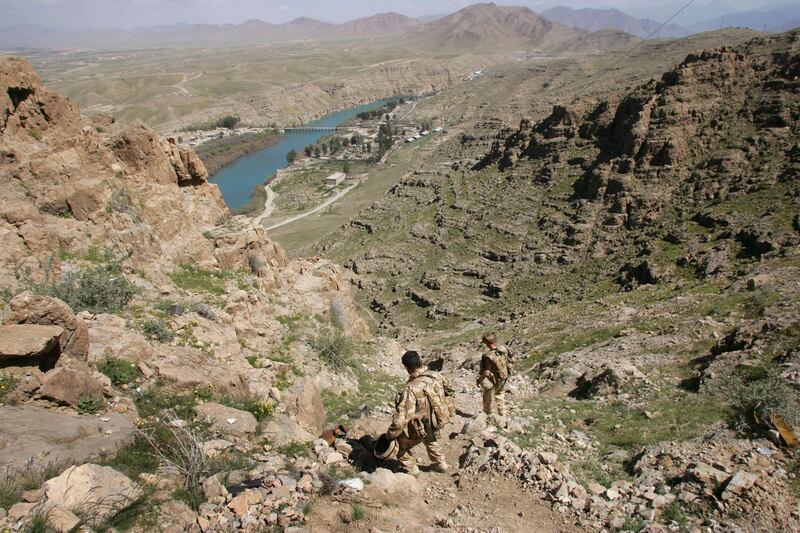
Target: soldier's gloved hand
{"x":393,"y":433}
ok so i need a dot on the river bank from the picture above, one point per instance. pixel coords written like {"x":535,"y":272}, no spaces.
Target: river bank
{"x":219,"y":153}
{"x":238,"y":180}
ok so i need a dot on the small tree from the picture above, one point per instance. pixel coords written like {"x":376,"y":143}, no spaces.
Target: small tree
{"x":309,"y":150}
{"x":291,"y":157}
{"x":346,"y":167}
{"x":317,"y":152}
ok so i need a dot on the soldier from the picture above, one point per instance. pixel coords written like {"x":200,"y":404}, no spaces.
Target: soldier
{"x":496,"y":368}
{"x":421,"y":411}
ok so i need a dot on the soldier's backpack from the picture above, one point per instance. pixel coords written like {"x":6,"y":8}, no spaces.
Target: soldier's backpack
{"x":499,"y":364}
{"x":440,"y":406}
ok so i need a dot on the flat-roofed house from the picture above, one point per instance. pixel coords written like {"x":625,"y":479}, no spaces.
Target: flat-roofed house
{"x":335,"y":179}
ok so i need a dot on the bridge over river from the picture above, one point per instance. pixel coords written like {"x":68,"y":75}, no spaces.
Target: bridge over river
{"x":315,"y":129}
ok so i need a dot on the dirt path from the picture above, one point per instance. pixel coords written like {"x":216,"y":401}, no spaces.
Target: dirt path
{"x":269,"y":206}
{"x":317,"y":209}
{"x":456,"y":501}
{"x":186,"y":79}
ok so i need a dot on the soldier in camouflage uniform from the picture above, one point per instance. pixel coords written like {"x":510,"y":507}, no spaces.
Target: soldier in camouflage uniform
{"x":495,"y":369}
{"x":411,"y":421}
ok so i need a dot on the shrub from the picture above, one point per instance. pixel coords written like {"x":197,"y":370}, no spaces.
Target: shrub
{"x":180,"y":448}
{"x":119,"y":371}
{"x":256,"y":263}
{"x":334,"y":347}
{"x":259,"y":408}
{"x":7,"y":385}
{"x":357,"y":512}
{"x":102,"y":289}
{"x":764,"y":397}
{"x":89,"y":405}
{"x":14,"y":483}
{"x":157,"y":329}
{"x":295,"y":449}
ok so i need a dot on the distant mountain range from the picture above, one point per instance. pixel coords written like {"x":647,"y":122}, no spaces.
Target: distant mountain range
{"x":480,"y":27}
{"x":782,"y":18}
{"x":251,"y":31}
{"x":599,"y":19}
{"x":489,"y":27}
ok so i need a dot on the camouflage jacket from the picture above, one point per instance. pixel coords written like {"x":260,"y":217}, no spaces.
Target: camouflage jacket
{"x":498,"y":362}
{"x":412,"y":404}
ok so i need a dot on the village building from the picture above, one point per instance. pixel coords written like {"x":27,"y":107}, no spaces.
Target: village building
{"x":335,"y":179}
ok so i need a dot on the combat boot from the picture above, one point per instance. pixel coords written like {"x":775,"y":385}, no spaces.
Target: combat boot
{"x":413,"y":471}
{"x":440,"y":467}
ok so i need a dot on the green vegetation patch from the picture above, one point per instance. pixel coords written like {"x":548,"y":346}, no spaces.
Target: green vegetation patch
{"x":191,"y":278}
{"x":100,"y":289}
{"x":119,"y":371}
{"x":374,"y":389}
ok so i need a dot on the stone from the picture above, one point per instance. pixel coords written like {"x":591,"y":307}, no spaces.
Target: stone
{"x":227,"y":419}
{"x":213,"y":487}
{"x":476,"y":424}
{"x":71,"y":382}
{"x":241,"y":503}
{"x":61,"y":520}
{"x":304,"y":403}
{"x":282,"y":430}
{"x":190,"y":367}
{"x":334,"y":458}
{"x":740,"y":482}
{"x":29,"y":341}
{"x":612,"y":494}
{"x":548,"y":458}
{"x":595,"y":488}
{"x":213,"y":448}
{"x":38,"y":435}
{"x":32,"y":496}
{"x":706,"y":473}
{"x":20,"y":510}
{"x":389,"y":487}
{"x":30,"y":308}
{"x":109,"y":335}
{"x":101,"y":487}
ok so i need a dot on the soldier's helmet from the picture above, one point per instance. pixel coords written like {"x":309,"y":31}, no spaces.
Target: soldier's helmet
{"x":490,"y":338}
{"x":384,"y":448}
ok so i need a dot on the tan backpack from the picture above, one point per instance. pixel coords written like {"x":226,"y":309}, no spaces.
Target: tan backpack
{"x":440,"y":404}
{"x":501,"y":362}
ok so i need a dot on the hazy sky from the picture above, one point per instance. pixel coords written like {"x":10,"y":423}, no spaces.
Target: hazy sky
{"x":80,"y":14}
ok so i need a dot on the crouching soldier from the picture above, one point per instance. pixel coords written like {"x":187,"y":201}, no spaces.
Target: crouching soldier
{"x":421,"y":411}
{"x":495,"y":369}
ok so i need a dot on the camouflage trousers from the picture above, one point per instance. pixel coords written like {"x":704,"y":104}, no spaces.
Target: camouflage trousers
{"x":497,"y":396}
{"x":408,"y":461}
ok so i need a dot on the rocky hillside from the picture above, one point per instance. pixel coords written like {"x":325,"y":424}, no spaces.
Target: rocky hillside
{"x":131,"y":298}
{"x":639,"y":251}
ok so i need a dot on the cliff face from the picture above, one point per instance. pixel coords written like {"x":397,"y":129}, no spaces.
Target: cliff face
{"x":70,"y":185}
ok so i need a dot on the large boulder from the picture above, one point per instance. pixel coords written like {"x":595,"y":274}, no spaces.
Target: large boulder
{"x":304,"y":403}
{"x":391,"y":488}
{"x":100,"y":490}
{"x":30,"y":344}
{"x":189,"y":367}
{"x":109,"y":335}
{"x":227,"y":419}
{"x":29,"y":308}
{"x":33,"y":434}
{"x":71,"y":382}
{"x":282,"y":430}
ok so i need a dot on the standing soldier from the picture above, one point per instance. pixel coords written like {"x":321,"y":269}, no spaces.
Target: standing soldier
{"x":421,"y":412}
{"x":496,"y":368}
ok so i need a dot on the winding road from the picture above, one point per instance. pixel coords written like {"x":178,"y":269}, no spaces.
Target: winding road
{"x":317,"y":209}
